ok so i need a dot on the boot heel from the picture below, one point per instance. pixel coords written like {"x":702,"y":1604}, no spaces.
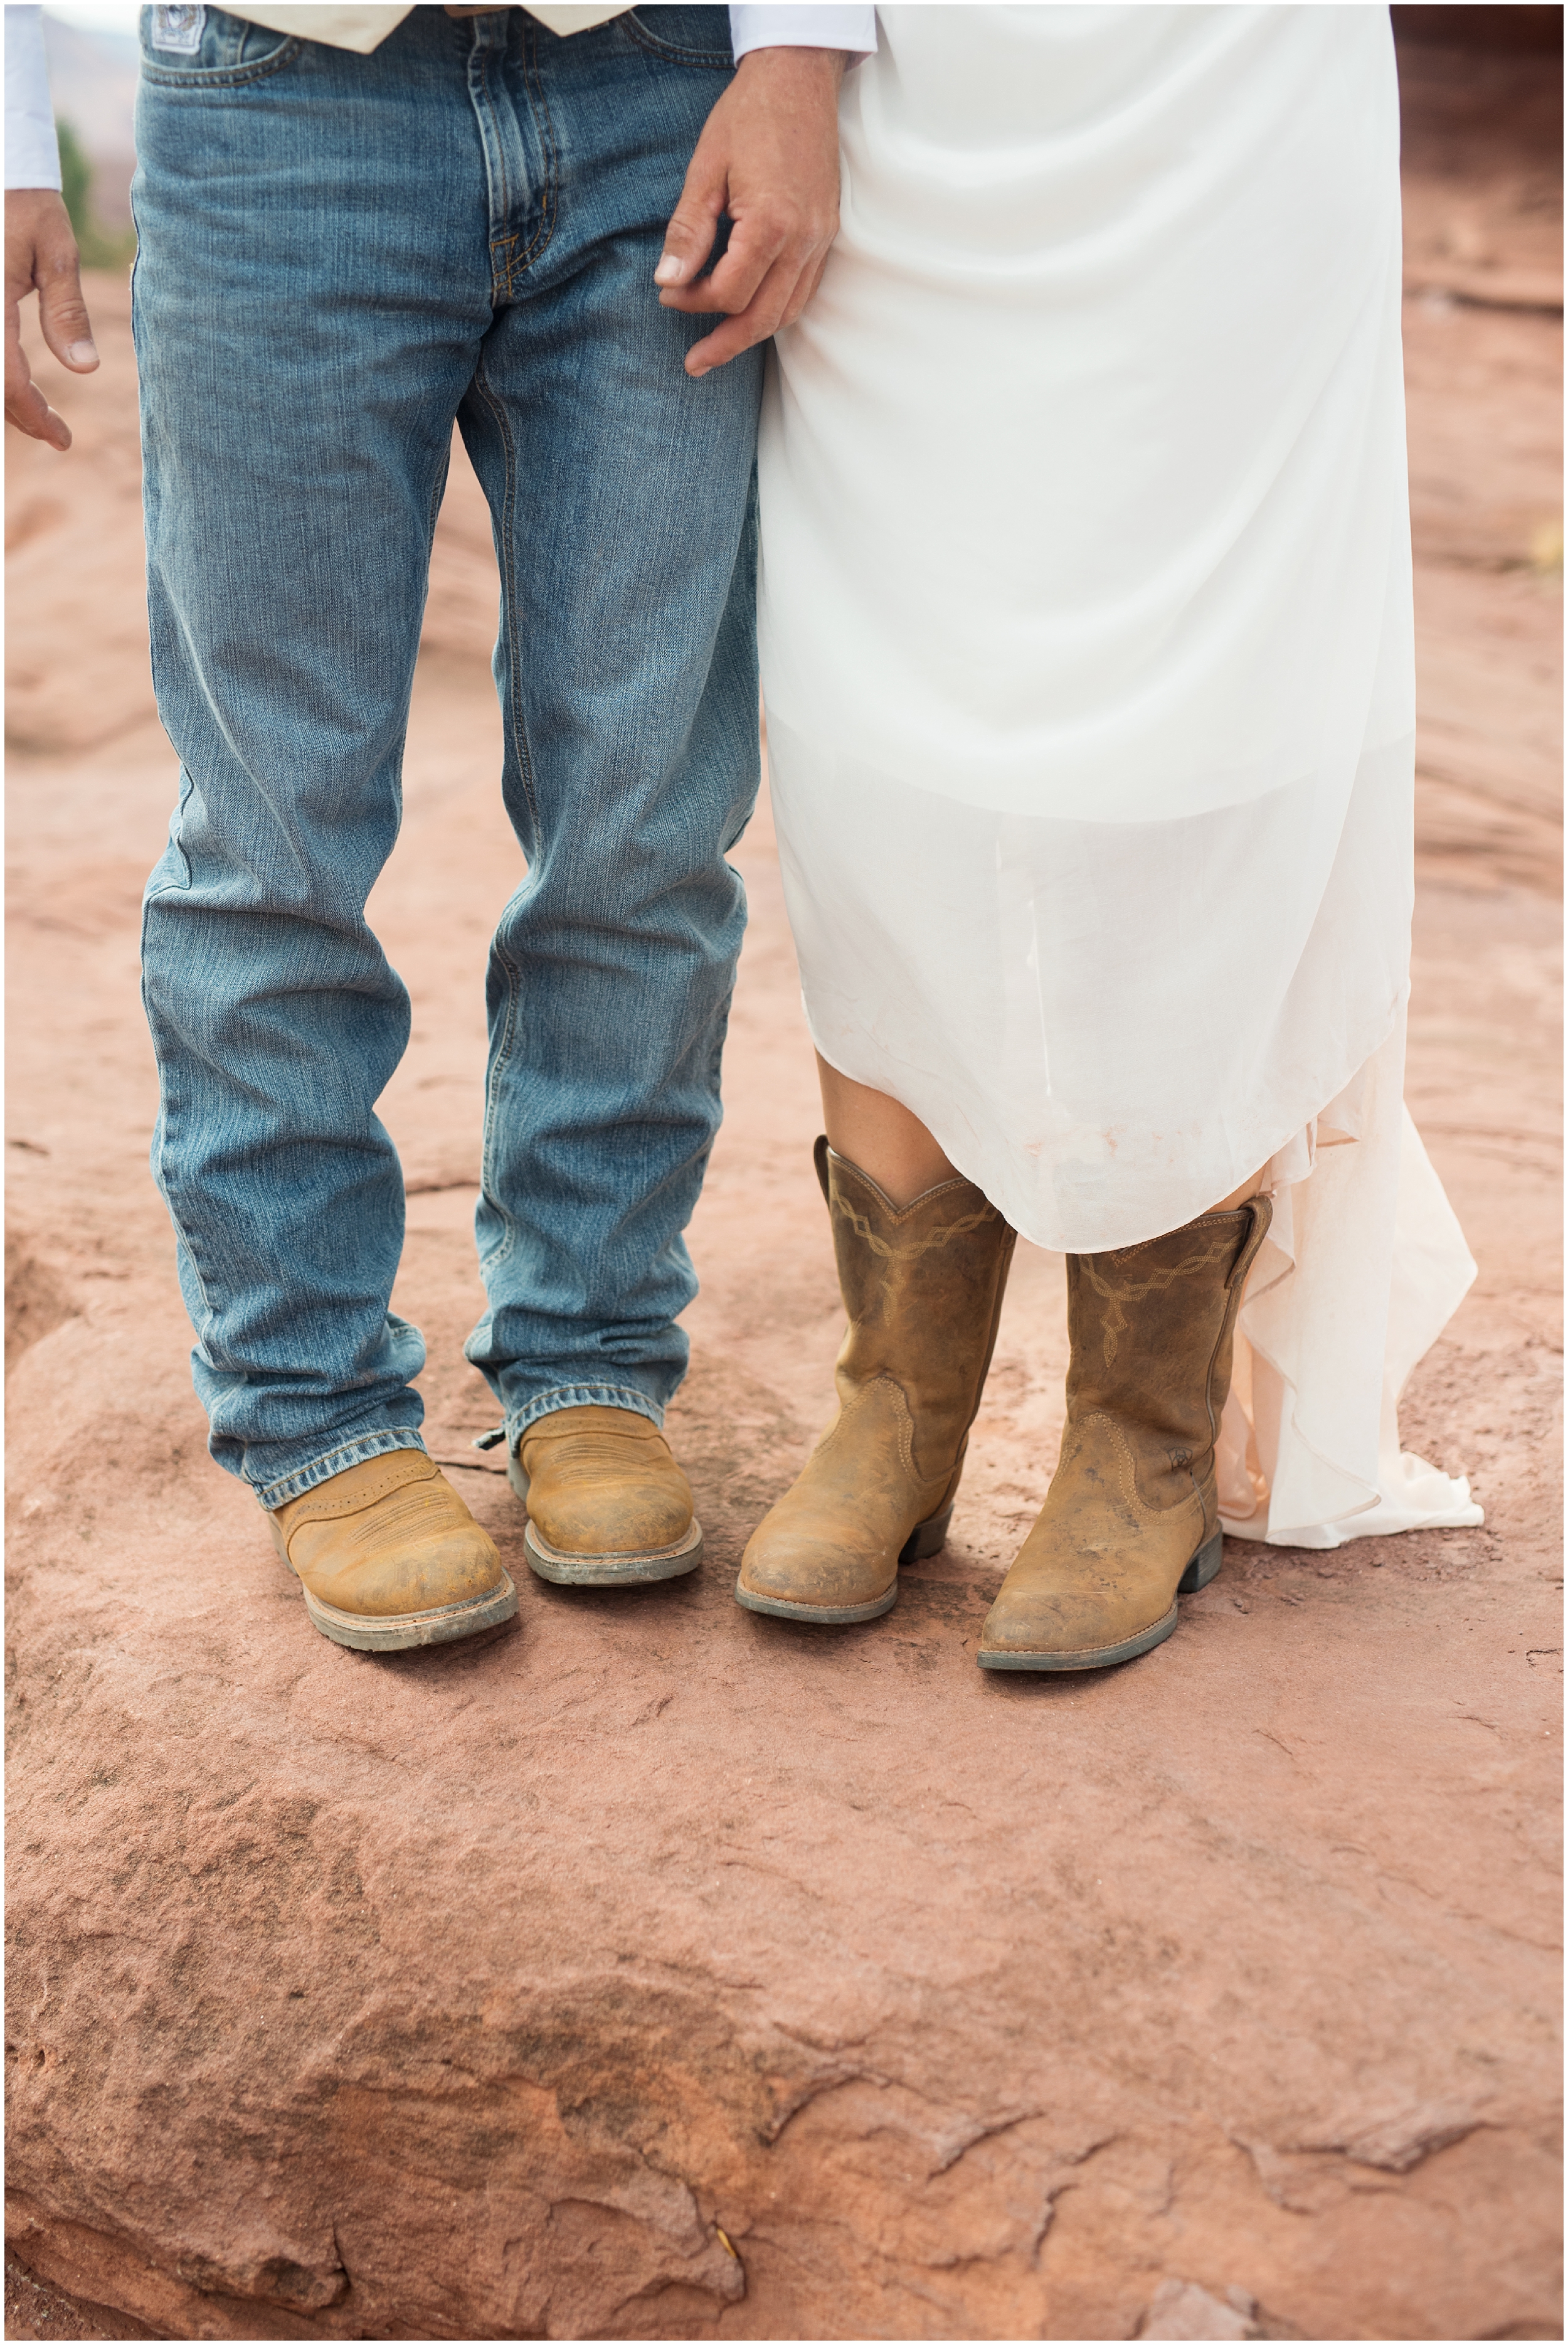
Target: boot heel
{"x":926,"y":1538}
{"x":1202,"y":1568}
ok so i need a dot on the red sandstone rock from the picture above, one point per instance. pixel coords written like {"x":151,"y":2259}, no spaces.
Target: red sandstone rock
{"x":656,"y":1970}
{"x":1182,"y":2310}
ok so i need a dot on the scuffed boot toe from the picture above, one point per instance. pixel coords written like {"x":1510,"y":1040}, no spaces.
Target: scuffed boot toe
{"x":390,"y":1558}
{"x":797,"y":1575}
{"x":608,"y":1505}
{"x":1068,"y":1629}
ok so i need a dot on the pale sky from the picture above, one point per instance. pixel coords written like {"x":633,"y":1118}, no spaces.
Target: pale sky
{"x":112,"y":16}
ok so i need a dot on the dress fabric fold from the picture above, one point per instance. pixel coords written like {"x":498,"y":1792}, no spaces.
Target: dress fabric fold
{"x":1088,"y":659}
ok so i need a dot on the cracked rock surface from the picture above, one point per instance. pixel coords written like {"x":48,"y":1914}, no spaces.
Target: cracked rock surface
{"x":654,"y":1969}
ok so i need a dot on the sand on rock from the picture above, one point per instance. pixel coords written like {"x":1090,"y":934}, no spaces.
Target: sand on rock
{"x":651,"y":1969}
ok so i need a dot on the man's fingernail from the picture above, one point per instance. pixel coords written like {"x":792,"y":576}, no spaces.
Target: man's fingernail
{"x":83,"y":353}
{"x":668,"y":272}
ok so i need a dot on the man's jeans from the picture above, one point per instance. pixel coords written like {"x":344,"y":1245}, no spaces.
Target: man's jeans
{"x":338,"y":254}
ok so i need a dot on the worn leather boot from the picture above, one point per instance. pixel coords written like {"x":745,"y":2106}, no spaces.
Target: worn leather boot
{"x":923,"y":1285}
{"x":607,"y":1504}
{"x":389,"y":1557}
{"x":1132,"y":1517}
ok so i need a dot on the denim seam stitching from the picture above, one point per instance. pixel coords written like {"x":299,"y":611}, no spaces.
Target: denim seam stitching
{"x":539,"y":104}
{"x":501,"y":278}
{"x":401,"y":1437}
{"x":645,"y":1403}
{"x":480,"y":59}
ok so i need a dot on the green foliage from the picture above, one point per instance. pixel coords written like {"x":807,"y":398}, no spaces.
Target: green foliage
{"x":76,"y":178}
{"x":99,"y":248}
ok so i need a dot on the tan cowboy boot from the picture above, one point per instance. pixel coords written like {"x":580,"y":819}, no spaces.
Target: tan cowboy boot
{"x":923,"y":1285}
{"x":389,"y":1557}
{"x":607,"y":1504}
{"x":1132,"y":1517}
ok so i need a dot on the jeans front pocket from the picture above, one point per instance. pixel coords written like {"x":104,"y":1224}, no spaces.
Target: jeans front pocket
{"x":687,"y":36}
{"x":206,"y":48}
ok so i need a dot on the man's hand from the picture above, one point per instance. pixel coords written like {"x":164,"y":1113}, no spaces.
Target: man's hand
{"x":41,"y":257}
{"x":768,"y":156}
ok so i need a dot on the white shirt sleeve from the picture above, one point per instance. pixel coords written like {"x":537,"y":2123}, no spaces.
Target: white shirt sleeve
{"x":31,"y":151}
{"x":792,"y":24}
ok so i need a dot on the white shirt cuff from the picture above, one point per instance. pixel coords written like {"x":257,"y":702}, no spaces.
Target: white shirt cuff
{"x":32,"y":149}
{"x":794,"y":25}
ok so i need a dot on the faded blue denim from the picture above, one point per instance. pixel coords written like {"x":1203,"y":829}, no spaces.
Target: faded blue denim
{"x":338,"y":254}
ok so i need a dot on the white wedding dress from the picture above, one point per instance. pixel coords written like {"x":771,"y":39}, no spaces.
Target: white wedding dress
{"x":1087,"y":653}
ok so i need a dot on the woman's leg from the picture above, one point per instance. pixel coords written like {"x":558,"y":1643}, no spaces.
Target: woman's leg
{"x":880,"y":1138}
{"x":1131,"y":1520}
{"x":922,"y":1261}
{"x":894,"y":1148}
{"x":1240,"y":1196}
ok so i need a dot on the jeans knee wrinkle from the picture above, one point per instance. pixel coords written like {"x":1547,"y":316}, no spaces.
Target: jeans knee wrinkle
{"x":501,"y":1056}
{"x":162,"y":1177}
{"x":185,"y":1237}
{"x":509,"y":594}
{"x":173,"y":852}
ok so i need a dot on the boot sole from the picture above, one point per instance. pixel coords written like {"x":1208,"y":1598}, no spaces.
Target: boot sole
{"x":824,"y":1616}
{"x":1199,"y":1574}
{"x":926,"y":1539}
{"x":563,"y":1569}
{"x":566,"y":1570}
{"x":400,"y":1632}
